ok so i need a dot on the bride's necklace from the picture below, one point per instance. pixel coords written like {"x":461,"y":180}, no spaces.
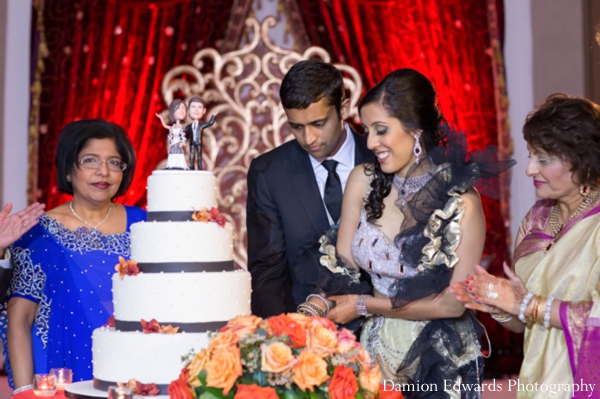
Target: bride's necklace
{"x":556,"y":227}
{"x":410,"y":186}
{"x":89,"y":224}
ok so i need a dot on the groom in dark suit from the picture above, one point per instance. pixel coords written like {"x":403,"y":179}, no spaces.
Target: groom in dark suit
{"x":295,"y":190}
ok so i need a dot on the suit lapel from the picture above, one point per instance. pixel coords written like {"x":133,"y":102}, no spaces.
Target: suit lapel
{"x":361,"y":153}
{"x":303,"y":179}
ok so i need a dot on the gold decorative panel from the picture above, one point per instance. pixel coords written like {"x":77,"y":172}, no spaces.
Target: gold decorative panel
{"x":242,"y":88}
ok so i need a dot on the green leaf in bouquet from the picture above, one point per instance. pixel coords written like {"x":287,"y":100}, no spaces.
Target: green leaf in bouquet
{"x":211,"y":394}
{"x":289,"y":394}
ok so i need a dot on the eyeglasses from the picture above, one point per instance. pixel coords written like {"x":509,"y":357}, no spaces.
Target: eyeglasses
{"x":115,"y":165}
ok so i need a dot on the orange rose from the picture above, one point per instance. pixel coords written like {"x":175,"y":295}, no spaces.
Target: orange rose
{"x":197,"y":364}
{"x":310,"y":370}
{"x":224,"y":368}
{"x":276,"y":357}
{"x":255,"y":392}
{"x":343,"y":384}
{"x":299,"y":318}
{"x":322,"y":340}
{"x":390,"y":394}
{"x":346,"y":341}
{"x":179,"y":389}
{"x":223,"y":340}
{"x":323,"y":322}
{"x":370,"y":378}
{"x":361,"y":356}
{"x":242,"y":325}
{"x":283,"y":324}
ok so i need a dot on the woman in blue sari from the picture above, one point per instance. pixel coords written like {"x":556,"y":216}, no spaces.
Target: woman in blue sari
{"x":61,"y":288}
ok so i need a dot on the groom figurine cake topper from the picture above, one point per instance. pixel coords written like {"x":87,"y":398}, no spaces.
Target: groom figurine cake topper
{"x":196,"y":110}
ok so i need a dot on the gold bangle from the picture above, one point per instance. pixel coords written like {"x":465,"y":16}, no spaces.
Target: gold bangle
{"x":541,"y":307}
{"x":533,"y":313}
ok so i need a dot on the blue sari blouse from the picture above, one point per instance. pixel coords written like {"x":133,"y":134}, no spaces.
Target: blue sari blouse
{"x":68,"y":274}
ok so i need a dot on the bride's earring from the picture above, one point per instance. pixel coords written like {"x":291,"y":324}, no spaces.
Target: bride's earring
{"x":417,"y":148}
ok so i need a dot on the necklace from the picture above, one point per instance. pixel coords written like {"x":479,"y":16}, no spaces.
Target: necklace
{"x":556,"y":227}
{"x":409,"y":186}
{"x":89,"y":224}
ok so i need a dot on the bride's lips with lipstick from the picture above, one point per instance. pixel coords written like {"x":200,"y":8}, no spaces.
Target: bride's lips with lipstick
{"x":538,"y":183}
{"x":102,"y":185}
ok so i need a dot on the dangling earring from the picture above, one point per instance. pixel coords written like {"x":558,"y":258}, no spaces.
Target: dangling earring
{"x":417,"y":148}
{"x":584,"y":190}
{"x":68,"y":178}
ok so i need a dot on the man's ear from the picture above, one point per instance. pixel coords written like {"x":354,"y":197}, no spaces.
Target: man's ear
{"x":345,"y":109}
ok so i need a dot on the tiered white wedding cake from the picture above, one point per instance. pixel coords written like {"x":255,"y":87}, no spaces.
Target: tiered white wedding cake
{"x":186,"y":280}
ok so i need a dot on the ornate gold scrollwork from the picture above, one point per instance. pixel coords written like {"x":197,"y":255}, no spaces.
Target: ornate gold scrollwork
{"x":242,"y":88}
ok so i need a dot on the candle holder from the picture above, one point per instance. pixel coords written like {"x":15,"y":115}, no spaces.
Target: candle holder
{"x":63,"y":377}
{"x":44,"y":384}
{"x":115,"y":392}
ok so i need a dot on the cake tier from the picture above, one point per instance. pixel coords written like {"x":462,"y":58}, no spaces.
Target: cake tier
{"x":195,"y":302}
{"x":177,"y":191}
{"x":204,"y":245}
{"x":149,"y":358}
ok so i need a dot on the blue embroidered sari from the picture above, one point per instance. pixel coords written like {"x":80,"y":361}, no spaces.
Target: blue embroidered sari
{"x":68,"y":274}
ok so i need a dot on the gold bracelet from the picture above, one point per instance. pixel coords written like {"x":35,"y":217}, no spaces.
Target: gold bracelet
{"x":541,"y":307}
{"x":533,"y":313}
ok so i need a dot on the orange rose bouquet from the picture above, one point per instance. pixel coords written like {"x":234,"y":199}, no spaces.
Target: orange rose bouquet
{"x":290,"y":355}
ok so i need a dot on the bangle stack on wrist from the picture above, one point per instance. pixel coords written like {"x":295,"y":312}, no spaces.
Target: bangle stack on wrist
{"x":524,"y":304}
{"x":361,"y":306}
{"x":325,"y":302}
{"x":310,"y":309}
{"x":541,"y":309}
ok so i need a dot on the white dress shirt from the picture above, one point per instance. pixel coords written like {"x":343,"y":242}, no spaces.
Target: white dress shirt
{"x":345,"y":159}
{"x":5,"y":263}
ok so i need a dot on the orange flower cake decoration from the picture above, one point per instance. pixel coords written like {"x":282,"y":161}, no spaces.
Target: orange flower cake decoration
{"x":152,"y":326}
{"x":211,"y":215}
{"x":140,"y":388}
{"x":127,"y":268}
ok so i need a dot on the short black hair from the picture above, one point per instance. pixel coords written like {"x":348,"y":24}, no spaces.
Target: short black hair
{"x":196,"y":100}
{"x":309,"y":81}
{"x":75,"y":136}
{"x":568,"y":127}
{"x":173,"y":107}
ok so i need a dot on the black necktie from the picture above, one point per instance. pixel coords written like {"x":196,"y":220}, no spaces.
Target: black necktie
{"x":333,"y":190}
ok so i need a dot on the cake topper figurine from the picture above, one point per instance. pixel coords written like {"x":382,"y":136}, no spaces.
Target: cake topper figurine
{"x":197,"y":109}
{"x":177,"y":115}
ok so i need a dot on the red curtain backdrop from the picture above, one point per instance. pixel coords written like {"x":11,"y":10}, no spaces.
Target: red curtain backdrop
{"x":106,"y":59}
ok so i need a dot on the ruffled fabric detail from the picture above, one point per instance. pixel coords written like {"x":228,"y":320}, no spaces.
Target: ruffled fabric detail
{"x":441,"y":250}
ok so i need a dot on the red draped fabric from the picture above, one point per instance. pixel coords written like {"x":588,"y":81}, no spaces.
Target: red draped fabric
{"x":449,"y":41}
{"x":106,"y":59}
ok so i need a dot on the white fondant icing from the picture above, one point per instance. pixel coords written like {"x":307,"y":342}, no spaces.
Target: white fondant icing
{"x":191,"y":241}
{"x":149,"y":358}
{"x":185,"y":190}
{"x":182,"y":297}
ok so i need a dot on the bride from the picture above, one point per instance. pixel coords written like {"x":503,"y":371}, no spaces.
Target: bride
{"x":414,"y":223}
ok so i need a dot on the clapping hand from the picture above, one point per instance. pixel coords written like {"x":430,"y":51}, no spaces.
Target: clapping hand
{"x":14,"y":226}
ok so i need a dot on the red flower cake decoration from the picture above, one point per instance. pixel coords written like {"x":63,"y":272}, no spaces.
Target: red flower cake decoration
{"x":212,"y":215}
{"x":111,"y":321}
{"x":152,"y":326}
{"x":127,"y":267}
{"x":141,"y":389}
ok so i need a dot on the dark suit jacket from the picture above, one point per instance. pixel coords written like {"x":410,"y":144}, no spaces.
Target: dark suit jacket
{"x":201,"y":126}
{"x":284,"y":211}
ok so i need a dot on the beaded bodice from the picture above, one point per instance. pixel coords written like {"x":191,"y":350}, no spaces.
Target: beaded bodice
{"x":376,"y":255}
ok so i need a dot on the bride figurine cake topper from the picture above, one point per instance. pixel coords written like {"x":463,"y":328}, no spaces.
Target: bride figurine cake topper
{"x":177,"y":115}
{"x":197,"y":109}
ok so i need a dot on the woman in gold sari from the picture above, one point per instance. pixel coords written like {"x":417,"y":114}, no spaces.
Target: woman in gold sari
{"x":551,"y":294}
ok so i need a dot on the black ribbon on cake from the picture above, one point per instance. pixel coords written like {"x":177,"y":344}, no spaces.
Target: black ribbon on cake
{"x":169,"y":216}
{"x":188,"y":267}
{"x":122,"y":325}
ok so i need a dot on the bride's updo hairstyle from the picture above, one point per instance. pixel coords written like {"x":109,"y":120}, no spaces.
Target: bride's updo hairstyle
{"x":408,"y":96}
